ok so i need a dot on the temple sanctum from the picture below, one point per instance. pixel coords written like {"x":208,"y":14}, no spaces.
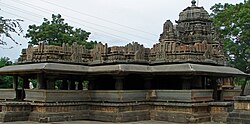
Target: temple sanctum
{"x":184,"y":78}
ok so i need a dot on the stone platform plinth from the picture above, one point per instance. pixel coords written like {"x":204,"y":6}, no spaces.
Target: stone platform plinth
{"x":219,"y":111}
{"x":15,"y":111}
{"x":241,"y":112}
{"x":55,"y":112}
{"x":180,"y":112}
{"x":110,"y":106}
{"x":119,"y":112}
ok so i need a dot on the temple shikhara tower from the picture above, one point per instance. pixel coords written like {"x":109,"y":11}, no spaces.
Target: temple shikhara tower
{"x":183,"y":78}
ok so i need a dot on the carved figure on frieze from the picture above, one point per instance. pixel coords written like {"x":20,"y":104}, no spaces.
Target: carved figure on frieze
{"x":208,"y":51}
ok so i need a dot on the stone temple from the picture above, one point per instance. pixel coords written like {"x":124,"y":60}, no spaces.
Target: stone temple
{"x":184,"y":78}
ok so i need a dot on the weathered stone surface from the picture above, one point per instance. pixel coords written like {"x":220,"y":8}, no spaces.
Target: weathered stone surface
{"x":53,"y":95}
{"x":220,"y":110}
{"x":7,"y":94}
{"x":229,"y":94}
{"x":15,"y":111}
{"x":15,"y":116}
{"x":180,"y":112}
{"x":60,"y":116}
{"x":179,"y":117}
{"x":242,"y":98}
{"x":118,"y":95}
{"x":119,"y":117}
{"x":183,"y":95}
{"x":241,"y":112}
{"x":219,"y":117}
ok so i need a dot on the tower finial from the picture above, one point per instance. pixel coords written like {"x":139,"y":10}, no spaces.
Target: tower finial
{"x":193,"y":3}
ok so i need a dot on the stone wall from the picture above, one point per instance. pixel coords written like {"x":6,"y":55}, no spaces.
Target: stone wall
{"x":54,"y":112}
{"x":118,"y":95}
{"x":15,"y":111}
{"x":54,"y":95}
{"x":180,"y":112}
{"x":7,"y":94}
{"x":119,"y":112}
{"x":229,"y":94}
{"x":219,"y":111}
{"x":241,"y":112}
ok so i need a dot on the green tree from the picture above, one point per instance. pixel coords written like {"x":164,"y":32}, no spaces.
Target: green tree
{"x":8,"y":26}
{"x":5,"y":81}
{"x":57,"y":32}
{"x":233,"y":24}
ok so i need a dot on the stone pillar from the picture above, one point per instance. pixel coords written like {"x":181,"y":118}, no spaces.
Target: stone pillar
{"x":50,"y":84}
{"x":118,"y":83}
{"x":80,"y":86}
{"x":25,"y":86}
{"x":15,"y":85}
{"x":205,"y":83}
{"x":197,"y":83}
{"x":186,"y":84}
{"x":64,"y":85}
{"x":214,"y":84}
{"x":15,"y":82}
{"x":77,"y":84}
{"x":41,"y":84}
{"x":26,"y":83}
{"x":147,"y":83}
{"x":71,"y":85}
{"x":91,"y":85}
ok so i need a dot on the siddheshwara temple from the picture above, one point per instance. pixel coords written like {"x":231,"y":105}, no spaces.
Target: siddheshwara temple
{"x":184,"y":78}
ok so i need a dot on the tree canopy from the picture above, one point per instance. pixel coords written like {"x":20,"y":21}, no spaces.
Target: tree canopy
{"x":5,"y":81}
{"x":233,"y":24}
{"x":8,"y":26}
{"x":57,"y":32}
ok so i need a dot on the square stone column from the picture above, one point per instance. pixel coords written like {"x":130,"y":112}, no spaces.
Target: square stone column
{"x":186,"y":84}
{"x":91,"y":84}
{"x":26,"y":83}
{"x":147,"y":83}
{"x":118,"y":83}
{"x":15,"y":85}
{"x":71,"y":85}
{"x":64,"y":85}
{"x":41,"y":83}
{"x":25,"y":86}
{"x":15,"y":82}
{"x":50,"y":84}
{"x":80,"y":86}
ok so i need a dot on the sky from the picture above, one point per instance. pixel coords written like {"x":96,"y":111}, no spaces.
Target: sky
{"x":116,"y":22}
